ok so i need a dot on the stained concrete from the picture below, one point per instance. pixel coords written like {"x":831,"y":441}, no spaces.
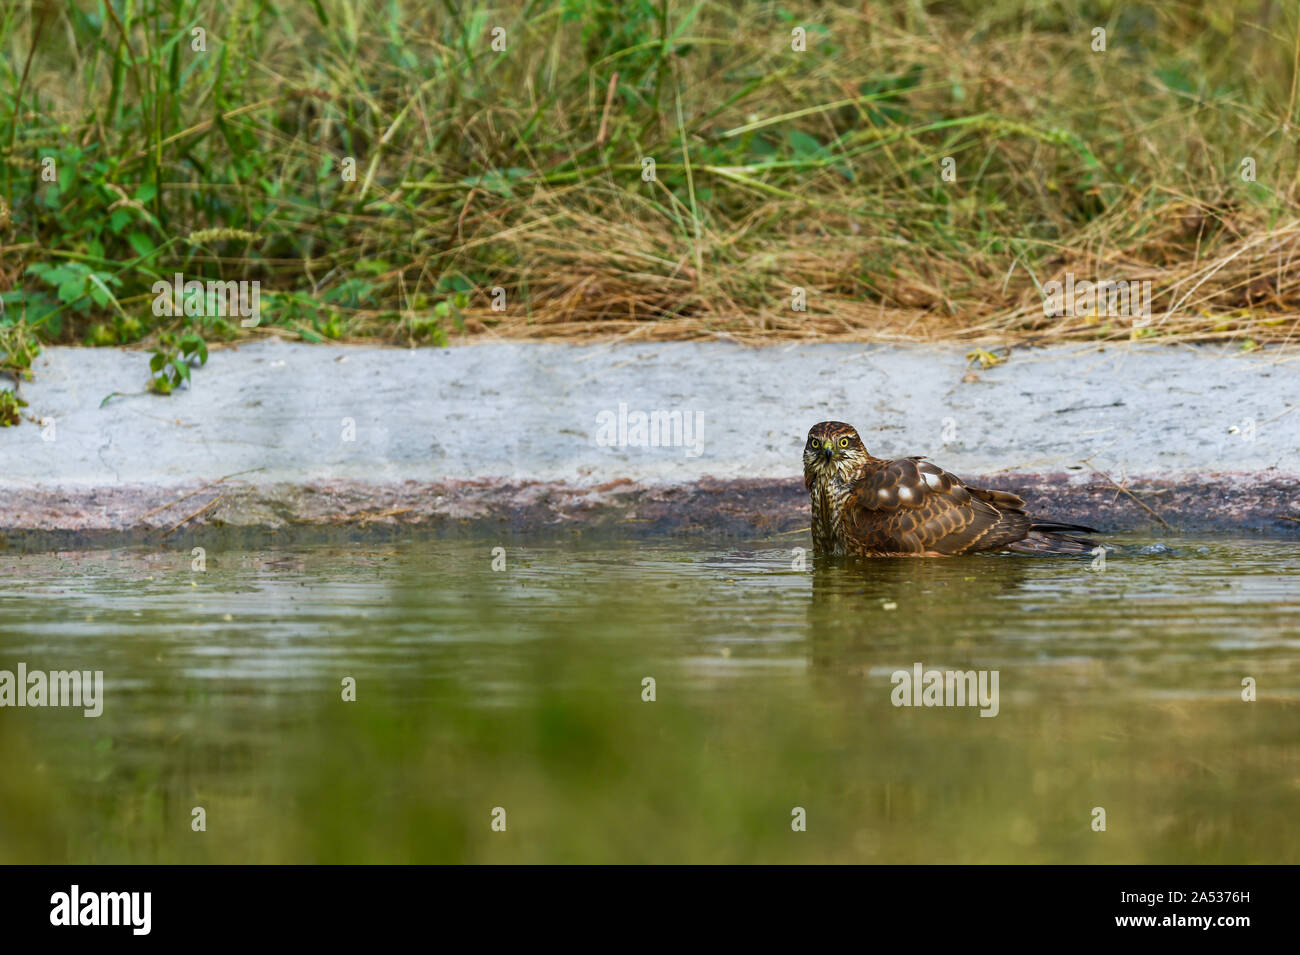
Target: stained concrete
{"x":272,"y":434}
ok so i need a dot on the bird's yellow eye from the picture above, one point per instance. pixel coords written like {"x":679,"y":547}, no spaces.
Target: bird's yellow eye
{"x":844,"y":442}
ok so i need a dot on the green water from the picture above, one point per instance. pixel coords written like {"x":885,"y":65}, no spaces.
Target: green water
{"x":522,"y":688}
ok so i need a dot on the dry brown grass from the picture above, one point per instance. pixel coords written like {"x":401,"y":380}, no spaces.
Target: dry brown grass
{"x":776,"y":170}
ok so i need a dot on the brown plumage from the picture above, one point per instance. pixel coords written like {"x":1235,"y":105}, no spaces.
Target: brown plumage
{"x":869,"y":507}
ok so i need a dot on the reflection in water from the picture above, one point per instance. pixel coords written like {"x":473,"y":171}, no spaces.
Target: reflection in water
{"x":862,"y":609}
{"x":526,"y":688}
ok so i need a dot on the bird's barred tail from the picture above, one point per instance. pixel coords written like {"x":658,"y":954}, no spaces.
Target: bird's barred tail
{"x":1045,"y":537}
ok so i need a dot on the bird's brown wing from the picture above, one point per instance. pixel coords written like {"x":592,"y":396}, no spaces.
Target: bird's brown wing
{"x":910,"y":506}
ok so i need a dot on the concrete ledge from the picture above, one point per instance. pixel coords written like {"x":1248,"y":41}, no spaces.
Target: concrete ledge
{"x":742,"y":508}
{"x":507,"y":438}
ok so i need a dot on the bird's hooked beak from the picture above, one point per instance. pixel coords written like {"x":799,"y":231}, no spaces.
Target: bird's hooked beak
{"x":828,"y":451}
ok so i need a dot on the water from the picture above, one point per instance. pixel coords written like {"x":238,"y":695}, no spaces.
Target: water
{"x":521,"y":689}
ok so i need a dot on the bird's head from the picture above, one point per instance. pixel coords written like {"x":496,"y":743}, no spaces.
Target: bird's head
{"x":834,"y":450}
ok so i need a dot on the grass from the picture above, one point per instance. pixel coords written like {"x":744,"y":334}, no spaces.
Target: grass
{"x":386,"y":174}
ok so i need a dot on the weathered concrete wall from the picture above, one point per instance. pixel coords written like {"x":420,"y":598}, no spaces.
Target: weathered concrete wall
{"x":1120,"y":437}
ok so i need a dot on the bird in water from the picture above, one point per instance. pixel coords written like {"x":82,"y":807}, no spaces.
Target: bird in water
{"x":865,"y":506}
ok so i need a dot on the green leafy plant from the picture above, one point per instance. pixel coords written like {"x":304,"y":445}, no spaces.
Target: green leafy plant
{"x":77,"y":285}
{"x":37,"y":309}
{"x":432,"y":326}
{"x":18,"y":347}
{"x":10,"y":408}
{"x":172,"y":359}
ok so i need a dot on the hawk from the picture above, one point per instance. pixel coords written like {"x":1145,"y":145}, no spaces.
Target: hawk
{"x":865,"y":506}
